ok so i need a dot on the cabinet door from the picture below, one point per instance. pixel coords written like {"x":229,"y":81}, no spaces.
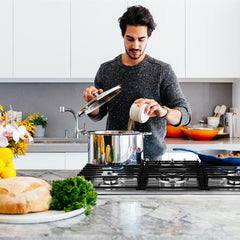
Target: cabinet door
{"x":76,"y":160}
{"x":95,"y":35}
{"x":212,"y":38}
{"x":40,"y":161}
{"x":42,"y":38}
{"x":6,"y":38}
{"x":167,"y":42}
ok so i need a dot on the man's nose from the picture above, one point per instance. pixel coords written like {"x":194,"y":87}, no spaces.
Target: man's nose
{"x":135,"y":45}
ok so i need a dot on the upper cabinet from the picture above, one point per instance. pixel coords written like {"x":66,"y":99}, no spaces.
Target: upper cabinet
{"x":212,"y":38}
{"x":95,"y":35}
{"x":41,"y":38}
{"x":167,"y":42}
{"x":68,"y":40}
{"x":6,"y":38}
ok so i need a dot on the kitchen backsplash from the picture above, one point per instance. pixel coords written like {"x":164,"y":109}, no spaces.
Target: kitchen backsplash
{"x":46,"y":98}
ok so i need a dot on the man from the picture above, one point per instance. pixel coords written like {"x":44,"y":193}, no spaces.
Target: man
{"x":144,"y":80}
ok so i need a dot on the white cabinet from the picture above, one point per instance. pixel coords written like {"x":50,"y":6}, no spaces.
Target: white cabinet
{"x":212,"y":38}
{"x":6,"y":41}
{"x":67,"y":40}
{"x":167,"y":42}
{"x":68,"y":160}
{"x":40,"y":161}
{"x":76,"y":160}
{"x":95,"y":35}
{"x":41,"y":38}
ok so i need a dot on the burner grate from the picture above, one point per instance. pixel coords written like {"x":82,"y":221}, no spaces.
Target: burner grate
{"x":163,"y":176}
{"x":172,"y":174}
{"x":112,"y":176}
{"x":221,"y":177}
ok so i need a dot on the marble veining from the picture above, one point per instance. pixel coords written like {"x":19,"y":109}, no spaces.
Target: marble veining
{"x":138,"y":217}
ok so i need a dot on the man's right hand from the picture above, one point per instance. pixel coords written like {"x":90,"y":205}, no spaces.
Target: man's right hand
{"x":88,"y":96}
{"x":88,"y":93}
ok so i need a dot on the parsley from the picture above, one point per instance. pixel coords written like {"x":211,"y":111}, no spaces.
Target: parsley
{"x":73,"y":193}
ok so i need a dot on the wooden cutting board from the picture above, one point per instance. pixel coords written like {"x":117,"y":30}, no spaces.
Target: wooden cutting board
{"x":39,"y":217}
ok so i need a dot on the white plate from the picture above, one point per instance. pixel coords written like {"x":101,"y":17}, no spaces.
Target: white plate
{"x":39,"y":217}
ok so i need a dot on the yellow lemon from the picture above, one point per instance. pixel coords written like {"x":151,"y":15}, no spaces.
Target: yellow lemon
{"x":8,"y":172}
{"x":6,"y":155}
{"x":10,"y":164}
{"x":2,"y":165}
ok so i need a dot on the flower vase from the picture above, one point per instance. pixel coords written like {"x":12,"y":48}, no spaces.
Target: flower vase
{"x":39,"y":132}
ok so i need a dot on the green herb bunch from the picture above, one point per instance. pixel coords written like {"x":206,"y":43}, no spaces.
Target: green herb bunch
{"x":73,"y":193}
{"x":36,"y":119}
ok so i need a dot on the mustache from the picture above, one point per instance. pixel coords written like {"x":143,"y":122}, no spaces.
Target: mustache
{"x":133,"y":49}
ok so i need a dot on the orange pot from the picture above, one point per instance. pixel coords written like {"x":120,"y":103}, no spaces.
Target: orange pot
{"x":175,"y":131}
{"x":201,"y":134}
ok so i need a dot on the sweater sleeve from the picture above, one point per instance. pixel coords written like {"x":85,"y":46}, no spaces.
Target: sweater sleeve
{"x":172,"y":95}
{"x":103,"y":110}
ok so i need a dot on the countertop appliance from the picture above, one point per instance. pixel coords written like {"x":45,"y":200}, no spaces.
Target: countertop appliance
{"x":163,"y":177}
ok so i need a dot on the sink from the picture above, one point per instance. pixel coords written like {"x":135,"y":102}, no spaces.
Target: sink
{"x":60,"y":140}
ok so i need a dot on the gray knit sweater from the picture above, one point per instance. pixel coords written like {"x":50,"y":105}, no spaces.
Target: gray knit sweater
{"x":150,"y":79}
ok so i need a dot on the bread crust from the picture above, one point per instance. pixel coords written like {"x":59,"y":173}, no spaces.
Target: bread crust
{"x":21,"y":195}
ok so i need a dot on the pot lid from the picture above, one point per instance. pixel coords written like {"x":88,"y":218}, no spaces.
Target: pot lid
{"x":99,"y":100}
{"x":117,"y":132}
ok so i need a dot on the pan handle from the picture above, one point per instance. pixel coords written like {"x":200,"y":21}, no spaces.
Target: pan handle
{"x":184,"y":149}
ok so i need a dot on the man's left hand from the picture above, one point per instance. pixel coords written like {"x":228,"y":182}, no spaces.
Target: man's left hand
{"x":153,"y":108}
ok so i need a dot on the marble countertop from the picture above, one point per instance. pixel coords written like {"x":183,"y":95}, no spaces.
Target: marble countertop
{"x":58,"y":144}
{"x":138,"y":217}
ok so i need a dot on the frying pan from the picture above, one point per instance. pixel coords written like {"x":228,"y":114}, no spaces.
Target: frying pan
{"x":208,"y":156}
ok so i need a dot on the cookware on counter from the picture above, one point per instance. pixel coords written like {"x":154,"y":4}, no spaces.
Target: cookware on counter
{"x":175,"y":131}
{"x":211,"y":156}
{"x":106,"y":147}
{"x":201,"y":131}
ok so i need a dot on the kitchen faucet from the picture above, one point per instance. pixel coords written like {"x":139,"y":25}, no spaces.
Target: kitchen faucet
{"x":76,"y":129}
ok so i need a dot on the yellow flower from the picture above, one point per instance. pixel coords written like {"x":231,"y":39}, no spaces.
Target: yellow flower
{"x":23,"y":130}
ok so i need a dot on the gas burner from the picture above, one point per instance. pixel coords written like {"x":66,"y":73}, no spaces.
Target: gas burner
{"x":172,"y":182}
{"x":230,"y":169}
{"x":109,"y":178}
{"x":172,"y":177}
{"x":233,"y":178}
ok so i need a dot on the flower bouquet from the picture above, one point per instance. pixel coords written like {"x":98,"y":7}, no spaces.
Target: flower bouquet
{"x":14,"y":138}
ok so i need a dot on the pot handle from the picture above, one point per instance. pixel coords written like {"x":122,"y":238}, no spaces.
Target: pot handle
{"x":184,"y":149}
{"x":147,"y":133}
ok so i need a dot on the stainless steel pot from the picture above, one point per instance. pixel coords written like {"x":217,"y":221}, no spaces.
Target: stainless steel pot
{"x":106,"y":147}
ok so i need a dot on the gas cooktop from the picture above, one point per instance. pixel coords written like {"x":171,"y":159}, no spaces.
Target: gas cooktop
{"x":163,"y":177}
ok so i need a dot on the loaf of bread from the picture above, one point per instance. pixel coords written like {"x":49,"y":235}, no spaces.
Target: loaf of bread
{"x":24,"y":194}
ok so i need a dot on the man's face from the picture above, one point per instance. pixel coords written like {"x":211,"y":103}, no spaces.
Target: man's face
{"x":135,"y":41}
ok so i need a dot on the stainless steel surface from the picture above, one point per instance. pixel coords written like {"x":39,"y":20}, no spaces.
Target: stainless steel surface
{"x":59,"y":140}
{"x":99,"y":100}
{"x":122,"y":147}
{"x":77,"y":131}
{"x":176,"y":192}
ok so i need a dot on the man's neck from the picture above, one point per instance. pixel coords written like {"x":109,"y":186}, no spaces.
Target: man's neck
{"x":126,"y":60}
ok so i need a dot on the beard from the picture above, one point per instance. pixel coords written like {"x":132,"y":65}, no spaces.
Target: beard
{"x":135,"y":56}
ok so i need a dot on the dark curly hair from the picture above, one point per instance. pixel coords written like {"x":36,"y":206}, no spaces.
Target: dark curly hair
{"x":137,"y":16}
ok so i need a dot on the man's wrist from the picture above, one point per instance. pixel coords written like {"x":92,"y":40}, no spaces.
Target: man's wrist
{"x":167,"y":112}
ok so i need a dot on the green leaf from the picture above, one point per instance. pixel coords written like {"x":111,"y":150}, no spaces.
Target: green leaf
{"x":73,"y":193}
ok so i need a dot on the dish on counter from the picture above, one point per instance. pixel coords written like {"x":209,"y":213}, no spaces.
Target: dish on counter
{"x":201,"y":131}
{"x":39,"y":217}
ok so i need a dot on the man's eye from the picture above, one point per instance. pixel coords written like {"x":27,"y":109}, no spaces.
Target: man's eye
{"x":129,"y":39}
